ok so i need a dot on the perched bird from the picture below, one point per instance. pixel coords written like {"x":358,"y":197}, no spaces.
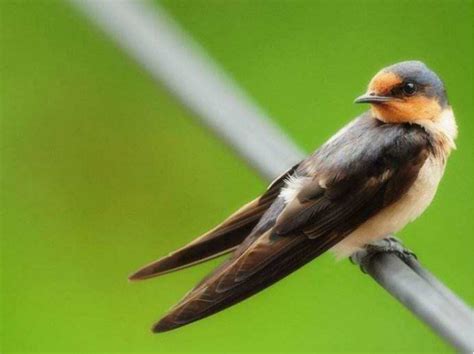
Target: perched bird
{"x":369,"y":180}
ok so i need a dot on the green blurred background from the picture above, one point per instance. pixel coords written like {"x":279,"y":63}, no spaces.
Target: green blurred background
{"x":103,"y":171}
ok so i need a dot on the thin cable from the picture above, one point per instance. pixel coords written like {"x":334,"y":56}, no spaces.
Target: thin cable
{"x":147,"y":34}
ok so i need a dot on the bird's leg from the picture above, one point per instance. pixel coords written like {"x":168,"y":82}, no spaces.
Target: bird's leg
{"x":390,"y":244}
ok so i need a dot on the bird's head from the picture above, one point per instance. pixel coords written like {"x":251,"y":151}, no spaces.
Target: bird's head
{"x":406,"y":92}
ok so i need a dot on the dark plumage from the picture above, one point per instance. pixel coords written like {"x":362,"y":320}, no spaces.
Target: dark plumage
{"x":365,"y":170}
{"x":359,"y":174}
{"x":222,"y":239}
{"x":419,"y":73}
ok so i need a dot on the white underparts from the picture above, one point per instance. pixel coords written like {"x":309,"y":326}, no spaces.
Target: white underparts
{"x":411,"y":205}
{"x":394,"y":218}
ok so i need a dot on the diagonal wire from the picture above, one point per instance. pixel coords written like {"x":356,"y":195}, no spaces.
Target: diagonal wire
{"x":148,"y":35}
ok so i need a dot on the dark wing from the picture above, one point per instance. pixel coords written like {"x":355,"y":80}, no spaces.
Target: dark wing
{"x":338,"y":196}
{"x":222,"y":239}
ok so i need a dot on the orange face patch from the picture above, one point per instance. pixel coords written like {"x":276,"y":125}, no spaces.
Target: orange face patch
{"x":410,"y":109}
{"x":383,"y":82}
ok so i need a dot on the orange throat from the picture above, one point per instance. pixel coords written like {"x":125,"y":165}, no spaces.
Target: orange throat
{"x":408,"y":110}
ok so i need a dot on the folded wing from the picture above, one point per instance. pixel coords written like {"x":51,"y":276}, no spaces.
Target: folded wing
{"x":224,"y":238}
{"x":335,"y":198}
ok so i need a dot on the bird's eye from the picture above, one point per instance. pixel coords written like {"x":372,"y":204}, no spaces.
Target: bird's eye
{"x":409,"y":88}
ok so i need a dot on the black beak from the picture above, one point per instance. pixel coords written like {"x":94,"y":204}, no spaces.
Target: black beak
{"x":372,"y":98}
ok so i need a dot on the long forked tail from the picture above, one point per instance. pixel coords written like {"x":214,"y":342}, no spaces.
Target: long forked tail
{"x":222,"y":239}
{"x":251,"y":269}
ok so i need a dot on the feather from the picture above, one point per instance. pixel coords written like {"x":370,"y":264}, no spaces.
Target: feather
{"x":223,"y":239}
{"x":345,"y":183}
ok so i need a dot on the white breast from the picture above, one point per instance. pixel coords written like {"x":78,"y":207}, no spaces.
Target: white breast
{"x":417,"y":198}
{"x":393,"y":218}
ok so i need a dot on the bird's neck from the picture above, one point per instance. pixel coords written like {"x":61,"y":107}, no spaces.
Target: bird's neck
{"x":443,"y":129}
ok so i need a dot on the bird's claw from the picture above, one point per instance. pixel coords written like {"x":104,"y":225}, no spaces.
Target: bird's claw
{"x":390,"y":244}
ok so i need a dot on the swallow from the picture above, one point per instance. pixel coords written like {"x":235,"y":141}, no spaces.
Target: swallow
{"x":374,"y":176}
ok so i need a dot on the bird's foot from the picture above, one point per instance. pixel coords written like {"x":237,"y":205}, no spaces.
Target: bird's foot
{"x":390,"y":244}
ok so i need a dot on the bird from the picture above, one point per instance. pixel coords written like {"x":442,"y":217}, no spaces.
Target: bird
{"x":374,"y":176}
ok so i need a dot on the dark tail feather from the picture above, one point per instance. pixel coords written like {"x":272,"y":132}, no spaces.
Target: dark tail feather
{"x":212,"y":297}
{"x":222,"y":239}
{"x":196,"y":252}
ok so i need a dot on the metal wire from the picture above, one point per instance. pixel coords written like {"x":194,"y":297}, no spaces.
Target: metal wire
{"x":446,"y":318}
{"x":147,"y":34}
